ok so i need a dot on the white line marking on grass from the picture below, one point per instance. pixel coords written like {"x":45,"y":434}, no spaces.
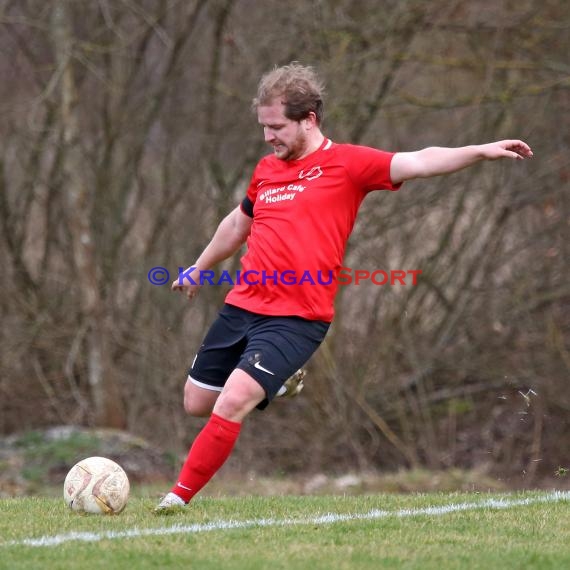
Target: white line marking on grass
{"x":328,"y":518}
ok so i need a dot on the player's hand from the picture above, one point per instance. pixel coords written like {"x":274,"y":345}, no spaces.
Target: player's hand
{"x":185,"y":286}
{"x":506,"y":149}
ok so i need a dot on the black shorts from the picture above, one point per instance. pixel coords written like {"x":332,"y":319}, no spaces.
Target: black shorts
{"x":270,"y":349}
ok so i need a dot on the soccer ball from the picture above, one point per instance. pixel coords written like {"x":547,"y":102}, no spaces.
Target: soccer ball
{"x":96,"y":485}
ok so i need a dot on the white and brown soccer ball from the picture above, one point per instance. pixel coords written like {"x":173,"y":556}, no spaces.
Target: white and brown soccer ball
{"x":96,"y":485}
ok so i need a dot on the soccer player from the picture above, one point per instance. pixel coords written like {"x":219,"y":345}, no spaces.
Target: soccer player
{"x":297,"y":215}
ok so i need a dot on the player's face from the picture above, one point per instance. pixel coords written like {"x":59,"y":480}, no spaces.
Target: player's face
{"x":287,"y":137}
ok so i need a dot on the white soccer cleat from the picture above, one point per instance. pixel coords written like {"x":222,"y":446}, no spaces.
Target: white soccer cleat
{"x":293,"y":385}
{"x":170,"y":503}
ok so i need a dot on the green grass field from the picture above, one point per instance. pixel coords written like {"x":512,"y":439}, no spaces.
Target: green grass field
{"x":427,"y":531}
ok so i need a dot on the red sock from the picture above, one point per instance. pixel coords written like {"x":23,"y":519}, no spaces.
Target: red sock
{"x":208,"y":453}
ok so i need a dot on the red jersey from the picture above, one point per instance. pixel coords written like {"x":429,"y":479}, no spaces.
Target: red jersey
{"x":303,"y":213}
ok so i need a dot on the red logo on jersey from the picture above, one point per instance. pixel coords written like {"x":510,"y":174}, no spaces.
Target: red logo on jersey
{"x":311,"y":174}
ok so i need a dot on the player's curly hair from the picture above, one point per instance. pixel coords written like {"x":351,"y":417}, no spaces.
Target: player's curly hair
{"x":298,"y":87}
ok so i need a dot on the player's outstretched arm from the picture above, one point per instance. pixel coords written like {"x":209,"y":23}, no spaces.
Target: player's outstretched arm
{"x":229,"y":237}
{"x":434,"y":161}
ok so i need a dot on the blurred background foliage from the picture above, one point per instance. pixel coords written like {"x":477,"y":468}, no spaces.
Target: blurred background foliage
{"x":127,"y":134}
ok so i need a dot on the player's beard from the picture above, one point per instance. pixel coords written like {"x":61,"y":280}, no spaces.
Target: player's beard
{"x":294,"y":150}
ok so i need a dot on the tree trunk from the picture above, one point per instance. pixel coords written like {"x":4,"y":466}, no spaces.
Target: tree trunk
{"x":108,"y":409}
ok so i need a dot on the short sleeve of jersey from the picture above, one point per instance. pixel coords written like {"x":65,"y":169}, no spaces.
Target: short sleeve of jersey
{"x":251,"y":194}
{"x":369,"y":168}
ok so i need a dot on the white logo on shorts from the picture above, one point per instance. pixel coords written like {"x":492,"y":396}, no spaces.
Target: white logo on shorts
{"x":259,"y":367}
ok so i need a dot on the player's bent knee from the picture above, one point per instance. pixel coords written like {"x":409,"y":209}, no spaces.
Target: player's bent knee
{"x":240,"y":395}
{"x":231,"y":406}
